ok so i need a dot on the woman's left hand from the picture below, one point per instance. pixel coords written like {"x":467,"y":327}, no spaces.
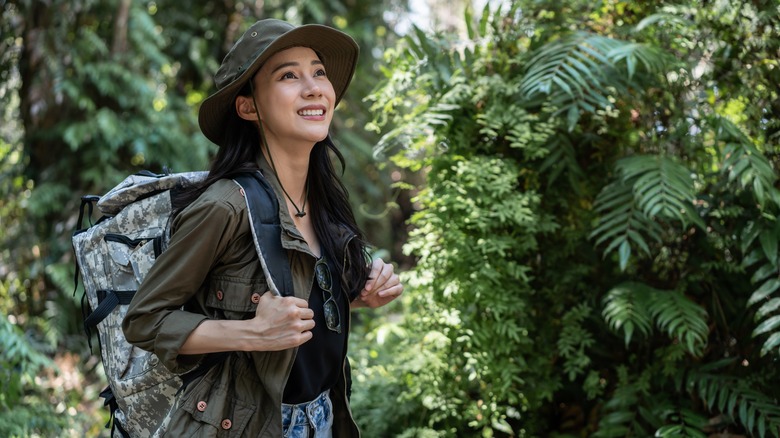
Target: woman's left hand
{"x":382,"y":287}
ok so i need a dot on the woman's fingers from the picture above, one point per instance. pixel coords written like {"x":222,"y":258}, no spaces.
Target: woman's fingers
{"x":380,"y":273}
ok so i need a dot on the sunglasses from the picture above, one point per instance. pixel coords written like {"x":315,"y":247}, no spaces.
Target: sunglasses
{"x":331,"y":309}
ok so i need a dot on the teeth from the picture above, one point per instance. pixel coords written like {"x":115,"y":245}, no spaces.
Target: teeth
{"x":318,"y":112}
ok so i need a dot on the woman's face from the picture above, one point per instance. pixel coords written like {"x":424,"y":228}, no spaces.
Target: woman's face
{"x":295,"y":97}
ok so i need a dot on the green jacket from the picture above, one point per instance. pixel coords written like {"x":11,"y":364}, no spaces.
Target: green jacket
{"x":210,"y":271}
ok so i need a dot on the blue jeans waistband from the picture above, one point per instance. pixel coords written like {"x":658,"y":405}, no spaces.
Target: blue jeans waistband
{"x":314,"y":418}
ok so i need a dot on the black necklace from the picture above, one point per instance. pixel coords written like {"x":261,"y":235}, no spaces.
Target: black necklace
{"x":299,"y":212}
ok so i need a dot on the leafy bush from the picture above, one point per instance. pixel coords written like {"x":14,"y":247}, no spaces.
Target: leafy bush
{"x":595,"y":230}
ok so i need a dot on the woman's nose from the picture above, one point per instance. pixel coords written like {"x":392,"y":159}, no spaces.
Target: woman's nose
{"x":312,"y":89}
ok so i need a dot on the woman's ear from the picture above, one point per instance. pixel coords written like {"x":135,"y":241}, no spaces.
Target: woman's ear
{"x":245,"y":108}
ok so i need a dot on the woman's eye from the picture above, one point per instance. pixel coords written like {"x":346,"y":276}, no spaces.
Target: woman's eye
{"x":288,"y":75}
{"x":320,"y":72}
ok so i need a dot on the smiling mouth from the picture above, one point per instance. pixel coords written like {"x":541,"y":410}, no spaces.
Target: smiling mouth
{"x":317,"y":112}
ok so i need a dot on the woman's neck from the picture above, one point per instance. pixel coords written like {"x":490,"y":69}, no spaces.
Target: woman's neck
{"x":291,"y":167}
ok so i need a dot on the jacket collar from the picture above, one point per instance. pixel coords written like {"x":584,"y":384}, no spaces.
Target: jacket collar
{"x":291,"y":237}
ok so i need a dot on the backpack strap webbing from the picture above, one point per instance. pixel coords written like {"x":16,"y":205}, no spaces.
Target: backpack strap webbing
{"x":108,"y":300}
{"x":263,"y":210}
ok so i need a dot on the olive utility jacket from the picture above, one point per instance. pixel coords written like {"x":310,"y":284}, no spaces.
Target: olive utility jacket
{"x":210,"y":270}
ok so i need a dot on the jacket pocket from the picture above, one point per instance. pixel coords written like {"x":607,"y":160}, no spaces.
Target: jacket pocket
{"x":209,"y":411}
{"x":234,"y":297}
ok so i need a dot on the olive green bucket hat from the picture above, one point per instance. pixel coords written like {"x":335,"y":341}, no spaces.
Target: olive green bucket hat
{"x":339,"y":53}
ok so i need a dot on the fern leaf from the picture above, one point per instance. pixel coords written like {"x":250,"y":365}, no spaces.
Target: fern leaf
{"x":579,"y":71}
{"x":764,"y":272}
{"x":771,"y":344}
{"x":661,"y":19}
{"x":680,"y":318}
{"x":769,"y":287}
{"x":769,"y":324}
{"x":768,"y":308}
{"x":621,"y":417}
{"x":753,"y":409}
{"x":622,"y":221}
{"x":631,"y":306}
{"x":625,"y":307}
{"x":661,"y":186}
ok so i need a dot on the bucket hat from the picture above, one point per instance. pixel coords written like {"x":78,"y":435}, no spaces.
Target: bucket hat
{"x":339,"y":53}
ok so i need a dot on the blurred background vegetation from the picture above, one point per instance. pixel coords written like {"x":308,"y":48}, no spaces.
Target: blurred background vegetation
{"x":583,"y":197}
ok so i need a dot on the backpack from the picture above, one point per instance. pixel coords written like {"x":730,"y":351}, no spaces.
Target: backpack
{"x":114,"y":255}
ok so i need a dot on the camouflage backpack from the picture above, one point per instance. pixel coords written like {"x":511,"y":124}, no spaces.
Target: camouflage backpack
{"x":115,"y":254}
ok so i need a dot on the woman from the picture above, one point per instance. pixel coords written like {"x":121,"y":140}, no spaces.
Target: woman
{"x":287,"y":372}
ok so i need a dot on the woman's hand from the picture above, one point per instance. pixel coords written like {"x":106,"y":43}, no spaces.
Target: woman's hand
{"x":279,"y":323}
{"x":382,"y":287}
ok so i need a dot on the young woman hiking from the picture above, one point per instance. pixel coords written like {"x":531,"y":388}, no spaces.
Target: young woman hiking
{"x":286,"y":373}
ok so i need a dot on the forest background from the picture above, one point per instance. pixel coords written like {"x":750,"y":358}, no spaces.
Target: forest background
{"x":582,"y":196}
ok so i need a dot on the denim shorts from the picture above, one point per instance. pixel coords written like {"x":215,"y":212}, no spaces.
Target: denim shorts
{"x":311,"y":419}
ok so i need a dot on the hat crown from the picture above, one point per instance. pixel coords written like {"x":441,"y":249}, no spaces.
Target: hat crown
{"x":248,"y":48}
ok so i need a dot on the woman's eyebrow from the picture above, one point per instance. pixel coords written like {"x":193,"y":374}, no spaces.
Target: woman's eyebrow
{"x":293,"y":64}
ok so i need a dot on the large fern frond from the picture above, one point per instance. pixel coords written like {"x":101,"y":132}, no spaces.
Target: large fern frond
{"x":742,"y":400}
{"x":747,"y":168}
{"x":580,"y":71}
{"x":636,"y":306}
{"x":622,"y":223}
{"x":767,"y":315}
{"x":766,"y":278}
{"x":625,"y":309}
{"x":648,"y":187}
{"x":662,"y":187}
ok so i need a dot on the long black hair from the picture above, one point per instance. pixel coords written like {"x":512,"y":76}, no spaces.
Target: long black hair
{"x":328,"y":198}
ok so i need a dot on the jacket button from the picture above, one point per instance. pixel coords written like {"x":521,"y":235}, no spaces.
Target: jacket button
{"x":220,"y":295}
{"x":226,"y":424}
{"x":255,"y":298}
{"x":202,"y":406}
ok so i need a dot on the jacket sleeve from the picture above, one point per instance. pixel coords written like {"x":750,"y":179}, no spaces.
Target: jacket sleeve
{"x":155,"y":320}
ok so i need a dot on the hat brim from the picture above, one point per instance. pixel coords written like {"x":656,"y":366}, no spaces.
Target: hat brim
{"x":339,"y":54}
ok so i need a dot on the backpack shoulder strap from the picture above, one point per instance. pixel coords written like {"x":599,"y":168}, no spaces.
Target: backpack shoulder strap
{"x":263,"y":211}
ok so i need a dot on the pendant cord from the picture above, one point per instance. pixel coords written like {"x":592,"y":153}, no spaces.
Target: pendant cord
{"x":299,"y":212}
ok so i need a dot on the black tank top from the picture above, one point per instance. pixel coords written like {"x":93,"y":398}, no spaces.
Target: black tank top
{"x":318,"y":363}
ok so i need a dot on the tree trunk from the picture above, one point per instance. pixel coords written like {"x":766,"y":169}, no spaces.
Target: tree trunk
{"x":120,"y":28}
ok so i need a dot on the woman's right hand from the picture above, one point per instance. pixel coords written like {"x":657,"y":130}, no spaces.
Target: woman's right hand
{"x":280,"y":323}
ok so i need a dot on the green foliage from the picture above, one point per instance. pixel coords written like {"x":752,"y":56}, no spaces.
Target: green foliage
{"x":622,"y":221}
{"x":20,"y":361}
{"x":581,"y":72}
{"x":574,"y":342}
{"x":633,"y":306}
{"x":649,"y":188}
{"x":736,"y":398}
{"x":578,"y":185}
